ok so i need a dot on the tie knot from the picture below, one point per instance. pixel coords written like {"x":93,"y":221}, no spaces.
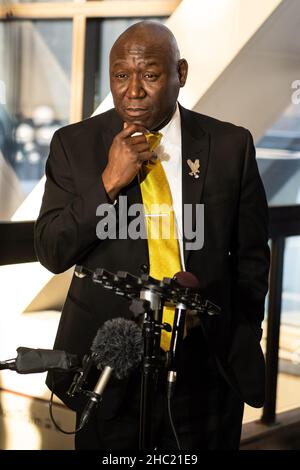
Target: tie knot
{"x":153,"y":139}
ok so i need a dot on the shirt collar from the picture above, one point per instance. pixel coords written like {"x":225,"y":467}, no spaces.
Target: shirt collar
{"x":171,"y":131}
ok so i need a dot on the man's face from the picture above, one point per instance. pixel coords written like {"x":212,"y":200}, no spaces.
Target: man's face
{"x":145,"y":80}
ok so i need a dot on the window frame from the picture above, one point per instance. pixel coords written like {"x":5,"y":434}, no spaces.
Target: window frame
{"x":79,"y":12}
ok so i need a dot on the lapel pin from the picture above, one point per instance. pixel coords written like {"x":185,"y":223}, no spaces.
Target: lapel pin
{"x":194,"y":166}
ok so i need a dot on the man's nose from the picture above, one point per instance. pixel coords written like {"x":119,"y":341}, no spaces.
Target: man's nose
{"x":135,"y":88}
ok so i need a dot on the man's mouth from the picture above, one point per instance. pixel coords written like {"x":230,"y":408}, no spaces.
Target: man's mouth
{"x":135,"y":111}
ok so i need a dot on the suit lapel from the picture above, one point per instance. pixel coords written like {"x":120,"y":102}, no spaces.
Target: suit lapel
{"x":195,"y":145}
{"x":113,"y":126}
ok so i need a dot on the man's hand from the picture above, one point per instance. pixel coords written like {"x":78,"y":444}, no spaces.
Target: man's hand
{"x":125,"y":158}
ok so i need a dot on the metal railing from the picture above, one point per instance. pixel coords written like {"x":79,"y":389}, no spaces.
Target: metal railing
{"x":284,"y":222}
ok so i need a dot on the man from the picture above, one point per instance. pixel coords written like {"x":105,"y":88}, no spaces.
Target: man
{"x":94,"y":162}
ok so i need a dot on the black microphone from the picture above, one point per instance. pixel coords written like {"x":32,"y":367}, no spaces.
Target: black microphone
{"x":118,"y":349}
{"x":191,"y":282}
{"x":29,"y":361}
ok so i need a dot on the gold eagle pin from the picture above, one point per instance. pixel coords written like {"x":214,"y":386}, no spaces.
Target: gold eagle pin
{"x":195,"y":168}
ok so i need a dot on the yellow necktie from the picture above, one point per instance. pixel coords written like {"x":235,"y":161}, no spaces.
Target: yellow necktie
{"x":164,"y":255}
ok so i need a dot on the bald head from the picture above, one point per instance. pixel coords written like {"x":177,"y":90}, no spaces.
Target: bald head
{"x":150,"y":31}
{"x":146,"y":73}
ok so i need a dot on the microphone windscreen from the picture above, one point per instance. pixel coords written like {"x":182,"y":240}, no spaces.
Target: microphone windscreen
{"x":186,"y":279}
{"x":118,"y":344}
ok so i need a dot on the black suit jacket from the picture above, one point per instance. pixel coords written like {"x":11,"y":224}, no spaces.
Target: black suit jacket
{"x":232,"y":266}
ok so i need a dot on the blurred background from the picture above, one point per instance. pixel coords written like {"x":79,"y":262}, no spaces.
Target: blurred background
{"x":244,"y":68}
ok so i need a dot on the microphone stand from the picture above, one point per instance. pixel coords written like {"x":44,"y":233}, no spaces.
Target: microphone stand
{"x":151,"y":364}
{"x":147,"y":297}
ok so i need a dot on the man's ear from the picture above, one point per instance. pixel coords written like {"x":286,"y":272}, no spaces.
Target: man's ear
{"x":182,"y":68}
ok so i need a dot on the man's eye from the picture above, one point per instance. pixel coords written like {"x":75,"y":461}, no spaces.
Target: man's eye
{"x":150,"y":76}
{"x":121,"y":75}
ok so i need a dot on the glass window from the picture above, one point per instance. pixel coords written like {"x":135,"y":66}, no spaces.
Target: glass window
{"x":35,"y":72}
{"x":291,"y":284}
{"x":289,"y":352}
{"x":107,"y":32}
{"x":278,"y":155}
{"x":279,"y":162}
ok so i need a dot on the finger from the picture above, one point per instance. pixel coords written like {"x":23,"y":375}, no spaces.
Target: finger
{"x":137,"y":139}
{"x":131,"y":129}
{"x":145,"y":156}
{"x":140,"y":146}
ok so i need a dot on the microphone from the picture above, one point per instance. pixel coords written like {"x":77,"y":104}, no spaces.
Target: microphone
{"x":30,"y":361}
{"x":188,"y":281}
{"x":117,"y":349}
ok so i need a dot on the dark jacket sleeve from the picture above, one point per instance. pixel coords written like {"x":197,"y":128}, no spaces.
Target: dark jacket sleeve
{"x":65,"y":230}
{"x":250,"y":249}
